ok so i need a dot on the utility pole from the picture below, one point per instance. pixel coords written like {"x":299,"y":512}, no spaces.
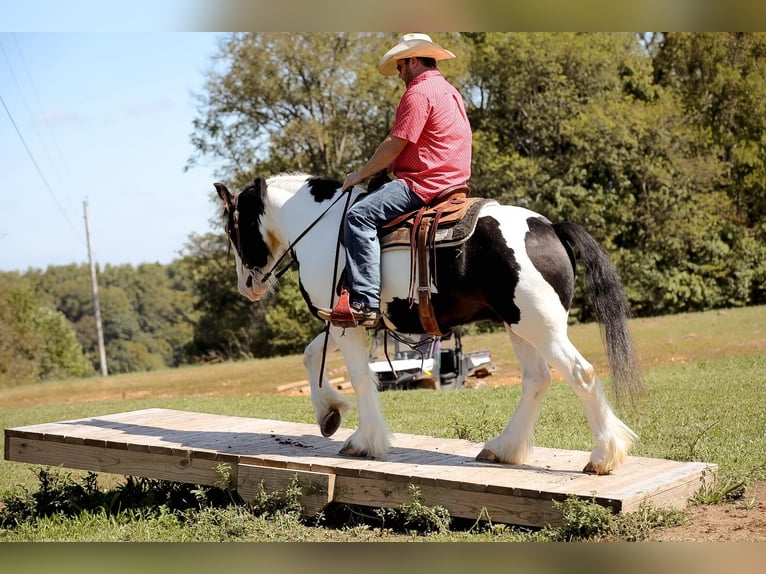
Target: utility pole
{"x":94,"y":287}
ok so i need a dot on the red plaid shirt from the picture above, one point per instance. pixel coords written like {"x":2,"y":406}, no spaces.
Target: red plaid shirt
{"x":431,"y":117}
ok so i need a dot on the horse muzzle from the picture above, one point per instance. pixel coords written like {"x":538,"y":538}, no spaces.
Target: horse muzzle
{"x":249,"y":286}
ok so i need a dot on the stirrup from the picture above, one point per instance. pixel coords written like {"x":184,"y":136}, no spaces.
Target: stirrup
{"x":344,"y":316}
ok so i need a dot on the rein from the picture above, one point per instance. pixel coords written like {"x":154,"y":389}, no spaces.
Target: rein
{"x":332,"y":286}
{"x":289,"y":251}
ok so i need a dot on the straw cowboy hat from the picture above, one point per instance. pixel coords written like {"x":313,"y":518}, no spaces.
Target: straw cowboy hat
{"x":412,"y":45}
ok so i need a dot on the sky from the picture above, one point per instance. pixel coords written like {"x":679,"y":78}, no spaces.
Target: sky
{"x":103,"y":118}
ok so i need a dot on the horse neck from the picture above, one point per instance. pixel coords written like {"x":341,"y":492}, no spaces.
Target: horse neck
{"x":299,"y":211}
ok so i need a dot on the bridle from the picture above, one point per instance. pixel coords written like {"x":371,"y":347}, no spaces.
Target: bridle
{"x":290,"y":251}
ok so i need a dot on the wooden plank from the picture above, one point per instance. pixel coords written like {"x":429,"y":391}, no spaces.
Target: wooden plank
{"x":465,"y":504}
{"x":184,"y":446}
{"x":178,"y":468}
{"x":317,"y":489}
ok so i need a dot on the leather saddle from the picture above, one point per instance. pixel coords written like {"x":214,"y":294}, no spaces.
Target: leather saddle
{"x":448,"y":220}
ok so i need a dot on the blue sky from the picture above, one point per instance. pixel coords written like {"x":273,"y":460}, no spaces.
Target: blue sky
{"x":107,"y":119}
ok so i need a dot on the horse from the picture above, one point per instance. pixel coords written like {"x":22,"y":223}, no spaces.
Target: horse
{"x":517,"y":267}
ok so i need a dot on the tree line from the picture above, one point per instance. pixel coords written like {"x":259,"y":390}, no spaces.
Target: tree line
{"x":654,"y":142}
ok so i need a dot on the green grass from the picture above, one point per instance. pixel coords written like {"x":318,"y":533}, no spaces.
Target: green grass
{"x":705,"y":402}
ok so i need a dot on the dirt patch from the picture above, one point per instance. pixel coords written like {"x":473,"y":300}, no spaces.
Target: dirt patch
{"x":741,"y":520}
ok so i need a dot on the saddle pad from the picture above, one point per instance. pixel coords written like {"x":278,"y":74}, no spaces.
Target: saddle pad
{"x":447,"y":235}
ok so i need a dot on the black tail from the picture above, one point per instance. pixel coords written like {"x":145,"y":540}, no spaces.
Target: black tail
{"x":611,"y":308}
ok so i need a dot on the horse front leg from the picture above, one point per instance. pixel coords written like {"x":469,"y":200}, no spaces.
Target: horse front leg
{"x":372,"y":438}
{"x":329,"y":405}
{"x":515,"y":444}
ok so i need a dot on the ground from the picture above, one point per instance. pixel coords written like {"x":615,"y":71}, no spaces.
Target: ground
{"x":741,"y":520}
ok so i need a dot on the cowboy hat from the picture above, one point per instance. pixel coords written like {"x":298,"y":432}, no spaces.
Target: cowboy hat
{"x":412,"y":45}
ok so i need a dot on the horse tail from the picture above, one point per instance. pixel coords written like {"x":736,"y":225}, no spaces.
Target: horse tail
{"x":605,"y":291}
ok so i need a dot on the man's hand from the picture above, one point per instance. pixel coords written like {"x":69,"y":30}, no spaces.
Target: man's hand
{"x":351,"y":180}
{"x":387,"y":152}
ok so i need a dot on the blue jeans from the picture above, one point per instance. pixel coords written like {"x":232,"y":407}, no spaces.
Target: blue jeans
{"x":361,"y":235}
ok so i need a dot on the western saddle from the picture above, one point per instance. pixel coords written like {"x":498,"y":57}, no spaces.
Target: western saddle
{"x":448,"y":220}
{"x":419,"y":229}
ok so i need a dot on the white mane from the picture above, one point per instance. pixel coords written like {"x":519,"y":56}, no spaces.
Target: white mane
{"x":288,"y":181}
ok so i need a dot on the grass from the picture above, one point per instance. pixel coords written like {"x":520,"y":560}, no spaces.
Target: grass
{"x":704,"y":374}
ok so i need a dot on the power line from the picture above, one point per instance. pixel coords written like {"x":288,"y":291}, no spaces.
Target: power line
{"x":34,"y":91}
{"x":36,"y":165}
{"x":37,"y":168}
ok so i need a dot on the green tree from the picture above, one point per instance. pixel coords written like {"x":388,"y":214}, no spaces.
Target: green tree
{"x":573,"y":126}
{"x":36,"y":342}
{"x":285,"y":102}
{"x":721,"y":79}
{"x":289,"y":325}
{"x":150,"y":305}
{"x":578,"y":126}
{"x":154,"y":307}
{"x":227,"y":321}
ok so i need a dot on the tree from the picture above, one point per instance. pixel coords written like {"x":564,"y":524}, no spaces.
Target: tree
{"x":289,"y":325}
{"x":577,"y":126}
{"x":157,"y":299}
{"x":148,"y":305}
{"x":573,"y":126}
{"x":36,"y":342}
{"x":721,"y":80}
{"x":227,"y":323}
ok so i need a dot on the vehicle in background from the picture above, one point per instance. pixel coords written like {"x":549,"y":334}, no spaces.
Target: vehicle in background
{"x":403,"y":361}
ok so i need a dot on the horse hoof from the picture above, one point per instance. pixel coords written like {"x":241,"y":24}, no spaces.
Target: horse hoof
{"x":486,"y":455}
{"x":349,"y":450}
{"x":591,"y":468}
{"x":330,"y":423}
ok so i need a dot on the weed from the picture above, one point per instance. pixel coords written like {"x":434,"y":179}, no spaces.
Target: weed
{"x":277,"y":502}
{"x":747,"y":504}
{"x":586,"y":520}
{"x":720,"y":491}
{"x":225,"y":479}
{"x":636,"y":526}
{"x":416,"y":516}
{"x":581,"y":520}
{"x":62,"y":495}
{"x":59,"y":494}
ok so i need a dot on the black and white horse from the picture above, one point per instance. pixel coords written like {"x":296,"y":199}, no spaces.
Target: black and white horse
{"x":517,"y":267}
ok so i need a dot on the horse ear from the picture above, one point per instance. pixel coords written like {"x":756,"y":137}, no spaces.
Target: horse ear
{"x":260,"y":184}
{"x":223,"y":193}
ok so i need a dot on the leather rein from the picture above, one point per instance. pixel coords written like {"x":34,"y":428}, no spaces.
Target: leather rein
{"x":290,"y":248}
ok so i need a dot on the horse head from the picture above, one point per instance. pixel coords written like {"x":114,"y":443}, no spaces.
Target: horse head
{"x":244,"y":212}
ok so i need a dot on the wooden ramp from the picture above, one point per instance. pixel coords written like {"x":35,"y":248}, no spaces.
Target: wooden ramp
{"x":190,"y":447}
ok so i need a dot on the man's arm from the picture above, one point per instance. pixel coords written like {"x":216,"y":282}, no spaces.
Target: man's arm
{"x":388,"y":150}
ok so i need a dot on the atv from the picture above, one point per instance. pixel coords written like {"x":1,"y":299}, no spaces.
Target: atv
{"x":405,"y":361}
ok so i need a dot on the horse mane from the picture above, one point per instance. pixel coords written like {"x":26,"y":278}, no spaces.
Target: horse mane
{"x":289,"y":180}
{"x":320,"y":187}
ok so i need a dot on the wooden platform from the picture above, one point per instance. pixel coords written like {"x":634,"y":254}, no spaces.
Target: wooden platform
{"x":190,"y":447}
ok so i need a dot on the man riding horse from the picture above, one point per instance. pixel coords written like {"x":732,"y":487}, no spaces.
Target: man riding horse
{"x":428,"y":150}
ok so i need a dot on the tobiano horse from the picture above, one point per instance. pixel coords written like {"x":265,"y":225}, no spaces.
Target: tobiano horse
{"x":517,"y":268}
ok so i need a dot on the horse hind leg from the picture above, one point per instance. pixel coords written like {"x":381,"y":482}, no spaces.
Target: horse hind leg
{"x":612,"y":438}
{"x":515,"y":443}
{"x":329,"y":405}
